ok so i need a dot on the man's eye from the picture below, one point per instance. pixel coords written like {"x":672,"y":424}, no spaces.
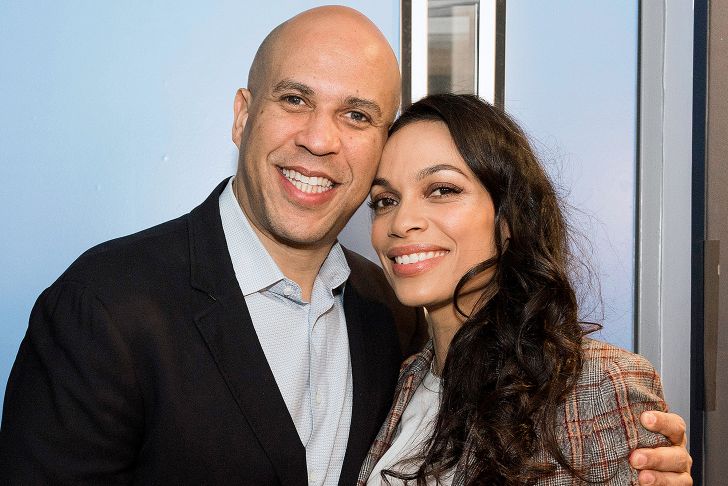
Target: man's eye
{"x":358,"y":116}
{"x":294,"y":100}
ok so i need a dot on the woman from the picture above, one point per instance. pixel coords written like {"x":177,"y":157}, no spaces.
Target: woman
{"x":509,"y":391}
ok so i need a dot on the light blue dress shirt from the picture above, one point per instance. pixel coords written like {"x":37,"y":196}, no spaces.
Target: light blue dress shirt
{"x":306,"y":344}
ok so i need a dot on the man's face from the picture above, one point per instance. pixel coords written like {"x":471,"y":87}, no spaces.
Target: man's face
{"x":315,"y":130}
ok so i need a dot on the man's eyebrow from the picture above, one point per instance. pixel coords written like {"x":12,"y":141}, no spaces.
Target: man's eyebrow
{"x":290,"y":85}
{"x":363,"y":104}
{"x":428,"y":171}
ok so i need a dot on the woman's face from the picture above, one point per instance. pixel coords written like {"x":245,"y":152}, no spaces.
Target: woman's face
{"x":433,"y":219}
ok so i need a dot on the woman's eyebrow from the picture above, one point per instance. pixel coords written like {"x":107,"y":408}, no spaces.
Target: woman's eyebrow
{"x":428,"y":171}
{"x":381,"y":181}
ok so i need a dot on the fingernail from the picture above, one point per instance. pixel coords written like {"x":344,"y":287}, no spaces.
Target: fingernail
{"x":639,"y":460}
{"x":648,"y":418}
{"x":648,"y":478}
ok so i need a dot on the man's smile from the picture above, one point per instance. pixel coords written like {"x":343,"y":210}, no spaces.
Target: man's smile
{"x":311,"y":185}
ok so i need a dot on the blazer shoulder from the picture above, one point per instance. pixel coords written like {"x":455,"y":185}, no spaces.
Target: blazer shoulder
{"x":364,"y":273}
{"x":369,"y":281}
{"x":598,"y":425}
{"x":162,"y":249}
{"x":603,"y":359}
{"x":158,"y":248}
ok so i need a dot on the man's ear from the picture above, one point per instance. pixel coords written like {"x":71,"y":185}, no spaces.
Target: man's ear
{"x":241,"y":107}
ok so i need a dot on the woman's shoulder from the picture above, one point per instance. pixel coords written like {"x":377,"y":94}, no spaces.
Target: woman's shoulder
{"x":615,"y":385}
{"x":599,"y":421}
{"x":601,"y":360}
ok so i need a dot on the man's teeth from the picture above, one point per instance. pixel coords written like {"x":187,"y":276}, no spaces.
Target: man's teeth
{"x":312,"y":185}
{"x":417,"y":257}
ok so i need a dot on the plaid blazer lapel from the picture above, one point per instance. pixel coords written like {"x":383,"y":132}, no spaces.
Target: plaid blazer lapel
{"x":411,"y":375}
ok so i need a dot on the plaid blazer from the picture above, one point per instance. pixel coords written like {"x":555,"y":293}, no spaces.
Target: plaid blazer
{"x":598,"y":425}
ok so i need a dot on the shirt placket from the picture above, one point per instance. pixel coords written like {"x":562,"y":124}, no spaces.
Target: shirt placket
{"x":322,"y":303}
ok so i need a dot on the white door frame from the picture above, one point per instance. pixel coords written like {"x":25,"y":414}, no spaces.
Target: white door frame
{"x":664,"y":185}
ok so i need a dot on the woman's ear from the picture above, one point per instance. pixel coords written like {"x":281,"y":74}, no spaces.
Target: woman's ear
{"x":241,"y":107}
{"x":505,"y":232}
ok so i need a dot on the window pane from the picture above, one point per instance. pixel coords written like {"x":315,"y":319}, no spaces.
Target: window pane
{"x":452,"y":48}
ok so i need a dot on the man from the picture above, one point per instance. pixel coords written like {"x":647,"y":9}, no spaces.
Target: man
{"x":239,"y":344}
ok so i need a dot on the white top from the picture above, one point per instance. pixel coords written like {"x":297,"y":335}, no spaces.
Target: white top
{"x":306,"y":344}
{"x":414,"y":428}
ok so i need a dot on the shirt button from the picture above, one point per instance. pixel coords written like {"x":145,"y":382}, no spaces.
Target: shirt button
{"x":287,"y":291}
{"x":319,"y":398}
{"x":313,"y":477}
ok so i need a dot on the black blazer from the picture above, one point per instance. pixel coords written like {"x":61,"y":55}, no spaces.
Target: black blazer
{"x":141,"y":366}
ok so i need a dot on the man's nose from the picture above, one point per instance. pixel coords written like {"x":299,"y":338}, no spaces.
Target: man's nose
{"x":320,"y":135}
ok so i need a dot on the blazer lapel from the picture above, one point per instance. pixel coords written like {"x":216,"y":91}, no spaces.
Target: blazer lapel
{"x":413,"y":372}
{"x":228,"y":331}
{"x":366,"y":388}
{"x":373,"y":319}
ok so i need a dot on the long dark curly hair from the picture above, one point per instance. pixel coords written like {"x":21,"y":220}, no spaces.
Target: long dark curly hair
{"x":518,"y":355}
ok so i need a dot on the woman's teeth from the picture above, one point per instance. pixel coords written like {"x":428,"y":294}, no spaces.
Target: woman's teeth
{"x":311,"y":185}
{"x":418,"y":257}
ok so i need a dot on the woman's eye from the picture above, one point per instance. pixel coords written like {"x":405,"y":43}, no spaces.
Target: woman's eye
{"x":445,"y":191}
{"x":382,"y":203}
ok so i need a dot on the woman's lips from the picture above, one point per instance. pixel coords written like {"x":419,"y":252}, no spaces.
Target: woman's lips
{"x":413,"y":260}
{"x":418,"y":257}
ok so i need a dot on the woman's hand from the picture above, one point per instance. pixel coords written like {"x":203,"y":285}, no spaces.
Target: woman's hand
{"x":664,"y":465}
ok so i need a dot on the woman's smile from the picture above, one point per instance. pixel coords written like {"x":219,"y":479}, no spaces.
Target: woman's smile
{"x":411,"y":260}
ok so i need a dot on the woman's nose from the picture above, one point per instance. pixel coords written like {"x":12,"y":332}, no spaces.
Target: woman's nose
{"x":407,"y":218}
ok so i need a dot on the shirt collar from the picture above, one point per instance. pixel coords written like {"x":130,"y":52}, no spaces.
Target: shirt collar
{"x":254,"y":268}
{"x":335,"y":271}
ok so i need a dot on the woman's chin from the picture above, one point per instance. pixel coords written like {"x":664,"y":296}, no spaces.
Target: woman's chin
{"x":421,"y":298}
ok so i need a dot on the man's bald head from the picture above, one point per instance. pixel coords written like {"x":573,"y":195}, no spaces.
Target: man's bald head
{"x":326,"y":27}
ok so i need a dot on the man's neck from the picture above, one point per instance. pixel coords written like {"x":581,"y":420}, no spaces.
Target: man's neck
{"x":301,"y":265}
